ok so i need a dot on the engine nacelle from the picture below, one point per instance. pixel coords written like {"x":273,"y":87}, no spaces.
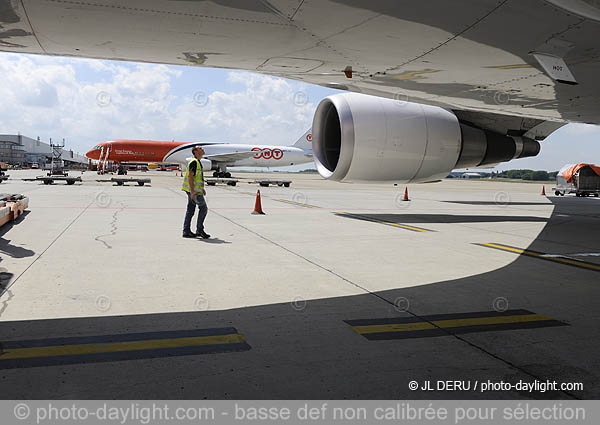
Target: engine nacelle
{"x":206,"y":164}
{"x":356,"y":137}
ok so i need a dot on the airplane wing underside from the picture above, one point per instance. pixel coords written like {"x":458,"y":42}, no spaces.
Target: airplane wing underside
{"x":227,"y":158}
{"x":467,"y":55}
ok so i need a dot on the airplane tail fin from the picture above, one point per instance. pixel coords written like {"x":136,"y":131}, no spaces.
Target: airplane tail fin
{"x":305,"y":141}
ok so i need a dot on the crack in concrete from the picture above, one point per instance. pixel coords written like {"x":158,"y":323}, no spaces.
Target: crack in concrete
{"x":113,"y":228}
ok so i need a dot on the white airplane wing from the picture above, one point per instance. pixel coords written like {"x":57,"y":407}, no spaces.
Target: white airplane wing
{"x":468,"y":55}
{"x":452,"y":84}
{"x":228,"y":158}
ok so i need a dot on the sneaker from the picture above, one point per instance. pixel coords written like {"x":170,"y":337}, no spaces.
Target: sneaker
{"x":188,"y":235}
{"x":203,"y":235}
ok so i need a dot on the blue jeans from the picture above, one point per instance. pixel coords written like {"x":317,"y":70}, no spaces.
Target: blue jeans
{"x":191,"y":207}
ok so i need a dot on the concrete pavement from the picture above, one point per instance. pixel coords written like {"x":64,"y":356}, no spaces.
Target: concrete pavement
{"x":102,"y":272}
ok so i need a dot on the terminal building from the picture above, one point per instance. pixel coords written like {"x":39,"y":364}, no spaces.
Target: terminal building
{"x":19,"y":150}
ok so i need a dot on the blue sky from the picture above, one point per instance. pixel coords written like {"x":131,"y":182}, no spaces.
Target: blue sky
{"x":86,"y":101}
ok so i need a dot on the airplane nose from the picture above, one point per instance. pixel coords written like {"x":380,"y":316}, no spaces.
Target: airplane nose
{"x":93,"y":154}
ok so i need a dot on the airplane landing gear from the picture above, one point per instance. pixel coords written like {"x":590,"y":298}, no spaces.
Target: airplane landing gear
{"x":222,"y":174}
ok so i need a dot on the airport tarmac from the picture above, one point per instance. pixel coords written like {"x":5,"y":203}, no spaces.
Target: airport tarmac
{"x":339,"y":292}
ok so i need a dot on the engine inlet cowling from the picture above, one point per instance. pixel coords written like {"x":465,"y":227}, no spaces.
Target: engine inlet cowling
{"x":365,"y":138}
{"x":206,"y":164}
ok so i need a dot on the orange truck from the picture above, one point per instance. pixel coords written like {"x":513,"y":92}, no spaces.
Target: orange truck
{"x":580,"y":179}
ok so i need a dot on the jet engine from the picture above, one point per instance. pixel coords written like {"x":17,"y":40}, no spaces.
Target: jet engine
{"x":206,"y":164}
{"x":357,"y":137}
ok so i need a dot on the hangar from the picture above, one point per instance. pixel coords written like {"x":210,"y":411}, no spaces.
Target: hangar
{"x":16,"y":149}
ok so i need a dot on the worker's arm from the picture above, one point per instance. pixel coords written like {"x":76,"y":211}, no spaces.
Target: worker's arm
{"x":191,"y":183}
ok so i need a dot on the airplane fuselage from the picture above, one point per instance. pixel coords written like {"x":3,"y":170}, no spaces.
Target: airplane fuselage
{"x":180,"y":152}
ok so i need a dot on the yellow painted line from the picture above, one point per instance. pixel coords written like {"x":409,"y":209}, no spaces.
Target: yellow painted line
{"x":68,"y":350}
{"x":543,"y":256}
{"x":414,"y":75}
{"x":511,"y":66}
{"x":404,"y":226}
{"x":451,"y":323}
{"x":395,"y":327}
{"x":511,"y":249}
{"x":296,"y":203}
{"x":389,"y":223}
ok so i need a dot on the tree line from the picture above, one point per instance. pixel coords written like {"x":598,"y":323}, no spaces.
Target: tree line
{"x":538,"y":175}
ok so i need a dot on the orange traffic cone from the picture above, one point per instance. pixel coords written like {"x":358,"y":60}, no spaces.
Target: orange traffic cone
{"x":257,"y":204}
{"x":406,"y":194}
{"x":543,"y":190}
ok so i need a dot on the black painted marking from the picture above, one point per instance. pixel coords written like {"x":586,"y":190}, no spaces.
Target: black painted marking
{"x":435,"y":317}
{"x":52,"y":359}
{"x":104,"y":339}
{"x":121,"y":356}
{"x":438,"y":330}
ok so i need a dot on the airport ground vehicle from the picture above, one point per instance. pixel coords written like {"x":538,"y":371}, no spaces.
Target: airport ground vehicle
{"x":50,"y":179}
{"x":3,"y":175}
{"x":214,"y":182}
{"x":580,"y":179}
{"x":120,"y":181}
{"x":268,"y":182}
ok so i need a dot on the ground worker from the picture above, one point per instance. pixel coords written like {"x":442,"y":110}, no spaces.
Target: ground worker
{"x":193,"y":184}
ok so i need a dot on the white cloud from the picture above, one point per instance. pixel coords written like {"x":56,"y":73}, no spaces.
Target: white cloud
{"x":86,"y":101}
{"x":268,"y":110}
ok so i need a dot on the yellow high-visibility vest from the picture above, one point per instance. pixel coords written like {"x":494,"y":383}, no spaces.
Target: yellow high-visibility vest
{"x":198,"y":178}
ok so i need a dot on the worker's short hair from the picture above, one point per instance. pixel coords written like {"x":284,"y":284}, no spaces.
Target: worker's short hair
{"x":195,"y":148}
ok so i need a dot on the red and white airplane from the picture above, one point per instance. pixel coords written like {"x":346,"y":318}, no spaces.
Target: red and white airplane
{"x":218,"y":156}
